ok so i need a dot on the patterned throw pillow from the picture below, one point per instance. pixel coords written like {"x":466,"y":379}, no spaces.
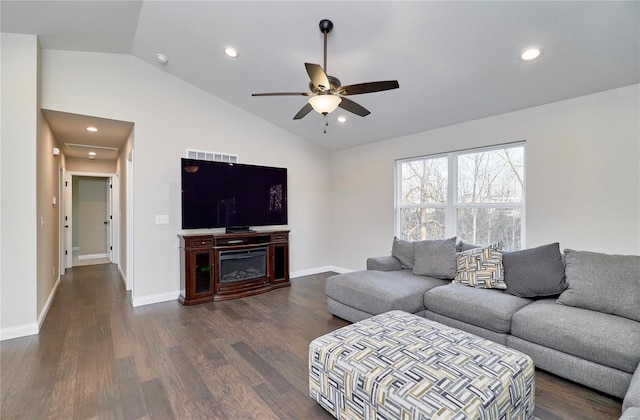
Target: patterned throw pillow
{"x":481,"y":267}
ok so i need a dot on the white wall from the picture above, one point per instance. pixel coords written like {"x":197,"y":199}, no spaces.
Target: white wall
{"x":18,"y":233}
{"x":91,"y":165}
{"x":47,"y":187}
{"x":582,"y":175}
{"x":122,"y":176}
{"x":169,"y":116}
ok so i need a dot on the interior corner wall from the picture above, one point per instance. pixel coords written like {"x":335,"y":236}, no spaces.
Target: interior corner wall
{"x":18,"y":223}
{"x":122,"y":172}
{"x":171,"y":116}
{"x":47,"y":188}
{"x":582,"y":176}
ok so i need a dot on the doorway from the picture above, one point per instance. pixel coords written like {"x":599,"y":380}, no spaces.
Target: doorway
{"x":90,"y":227}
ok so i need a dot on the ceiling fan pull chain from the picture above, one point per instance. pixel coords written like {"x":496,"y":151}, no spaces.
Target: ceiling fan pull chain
{"x":326,"y":123}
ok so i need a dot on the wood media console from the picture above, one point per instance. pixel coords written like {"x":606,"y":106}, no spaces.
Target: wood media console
{"x":228,"y":266}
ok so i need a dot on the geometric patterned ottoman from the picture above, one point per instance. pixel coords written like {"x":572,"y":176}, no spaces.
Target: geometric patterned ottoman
{"x":401,"y":366}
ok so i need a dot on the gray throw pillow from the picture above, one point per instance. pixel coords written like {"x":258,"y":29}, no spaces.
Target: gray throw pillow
{"x":403,"y":251}
{"x":465,"y":246}
{"x":534,"y":272}
{"x":603,"y":283}
{"x":435,"y":258}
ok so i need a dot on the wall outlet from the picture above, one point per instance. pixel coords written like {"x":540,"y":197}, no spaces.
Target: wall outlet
{"x":162,"y":219}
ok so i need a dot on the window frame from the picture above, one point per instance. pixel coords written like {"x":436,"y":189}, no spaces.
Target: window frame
{"x":452,"y":205}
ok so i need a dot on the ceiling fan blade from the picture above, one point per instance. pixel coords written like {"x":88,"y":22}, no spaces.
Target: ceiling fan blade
{"x":349,"y":105}
{"x":303,"y":111}
{"x":318,"y":77}
{"x":369,"y":87}
{"x":283,"y":94}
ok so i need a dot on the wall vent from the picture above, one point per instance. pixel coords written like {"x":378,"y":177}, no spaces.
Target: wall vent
{"x":213,"y":156}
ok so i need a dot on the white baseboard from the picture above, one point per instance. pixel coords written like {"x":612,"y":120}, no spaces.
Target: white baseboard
{"x":31,"y":329}
{"x":92,"y":256}
{"x":19,"y":331}
{"x":318,"y":270}
{"x":159,"y":298}
{"x":48,"y":303}
{"x":123,"y":277}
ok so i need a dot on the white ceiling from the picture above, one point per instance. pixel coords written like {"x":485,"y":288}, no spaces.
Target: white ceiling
{"x":455,"y":61}
{"x":76,"y":141}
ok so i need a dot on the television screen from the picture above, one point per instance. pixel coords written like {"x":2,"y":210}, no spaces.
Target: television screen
{"x":220,"y":194}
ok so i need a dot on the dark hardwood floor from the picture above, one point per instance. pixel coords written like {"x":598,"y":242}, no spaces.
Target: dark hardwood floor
{"x":97,"y":357}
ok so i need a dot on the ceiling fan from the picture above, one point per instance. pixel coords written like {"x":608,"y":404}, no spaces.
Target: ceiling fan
{"x":327,"y":94}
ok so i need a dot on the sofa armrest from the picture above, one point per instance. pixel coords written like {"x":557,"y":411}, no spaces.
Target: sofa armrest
{"x":383,"y":264}
{"x":632,"y":398}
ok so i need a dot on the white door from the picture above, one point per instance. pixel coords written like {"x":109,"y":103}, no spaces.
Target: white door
{"x":108,"y":219}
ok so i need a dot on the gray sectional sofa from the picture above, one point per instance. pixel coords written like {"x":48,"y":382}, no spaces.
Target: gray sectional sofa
{"x":576,"y":314}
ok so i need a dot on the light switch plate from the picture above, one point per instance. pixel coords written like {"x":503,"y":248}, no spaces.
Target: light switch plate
{"x":162,"y":219}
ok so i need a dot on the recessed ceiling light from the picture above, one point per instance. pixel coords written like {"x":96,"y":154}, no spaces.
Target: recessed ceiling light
{"x":92,"y":153}
{"x":531,"y":53}
{"x":231,"y":52}
{"x":342,"y":118}
{"x":92,"y":129}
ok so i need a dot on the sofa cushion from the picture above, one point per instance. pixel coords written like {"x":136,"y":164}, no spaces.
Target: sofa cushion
{"x":632,"y":399}
{"x":435,"y":258}
{"x":632,"y":413}
{"x":403,"y":251}
{"x":534,"y":272}
{"x":486,"y":308}
{"x":603,"y":283}
{"x":594,"y":336}
{"x":376,"y":292}
{"x":481,"y":267}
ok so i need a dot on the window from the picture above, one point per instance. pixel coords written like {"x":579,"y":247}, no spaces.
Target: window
{"x":476,"y":195}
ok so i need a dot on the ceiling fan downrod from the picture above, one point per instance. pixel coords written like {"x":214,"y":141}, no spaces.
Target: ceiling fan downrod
{"x":325,"y":27}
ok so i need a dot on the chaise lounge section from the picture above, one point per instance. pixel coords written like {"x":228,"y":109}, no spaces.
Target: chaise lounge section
{"x":581,"y":321}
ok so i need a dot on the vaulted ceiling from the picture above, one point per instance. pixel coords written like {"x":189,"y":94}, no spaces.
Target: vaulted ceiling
{"x":455,"y":61}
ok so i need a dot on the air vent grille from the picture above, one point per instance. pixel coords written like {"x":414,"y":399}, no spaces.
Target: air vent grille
{"x":213,"y":156}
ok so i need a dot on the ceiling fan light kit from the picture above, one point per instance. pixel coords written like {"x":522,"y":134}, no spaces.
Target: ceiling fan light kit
{"x":325,"y":103}
{"x":327,"y":94}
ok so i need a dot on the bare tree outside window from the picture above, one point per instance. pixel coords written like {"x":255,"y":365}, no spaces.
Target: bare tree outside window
{"x":486,"y":199}
{"x":424,"y":192}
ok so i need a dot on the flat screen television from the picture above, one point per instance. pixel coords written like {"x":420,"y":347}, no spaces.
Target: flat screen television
{"x":232,"y":195}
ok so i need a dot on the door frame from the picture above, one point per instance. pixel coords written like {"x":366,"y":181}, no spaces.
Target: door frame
{"x":129,"y":222}
{"x":113,"y":203}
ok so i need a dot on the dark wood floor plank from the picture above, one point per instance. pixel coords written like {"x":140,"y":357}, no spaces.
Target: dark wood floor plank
{"x":108,"y":395}
{"x":157,"y":400}
{"x":86,"y":396}
{"x":64,"y":387}
{"x":98,"y":357}
{"x":130,"y":390}
{"x":233,"y":397}
{"x":292,"y":404}
{"x":271,"y":375}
